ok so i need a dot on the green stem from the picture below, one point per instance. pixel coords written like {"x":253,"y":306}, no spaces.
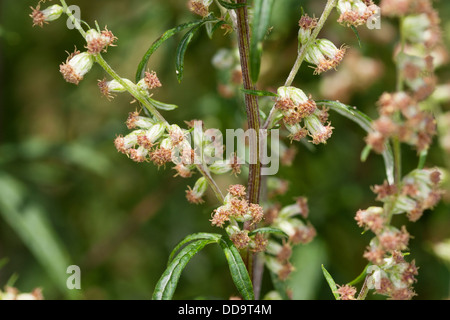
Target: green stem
{"x":302,"y":52}
{"x":74,"y":20}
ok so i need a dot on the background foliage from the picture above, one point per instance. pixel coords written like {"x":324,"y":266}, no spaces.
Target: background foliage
{"x":67,"y":196}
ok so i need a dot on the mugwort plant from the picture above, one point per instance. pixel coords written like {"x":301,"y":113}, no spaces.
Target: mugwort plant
{"x":259,"y":232}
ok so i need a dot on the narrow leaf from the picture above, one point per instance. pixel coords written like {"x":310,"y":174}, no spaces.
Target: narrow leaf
{"x":364,"y":122}
{"x":238,"y":270}
{"x":262,"y":10}
{"x":181,"y":51}
{"x":259,"y":93}
{"x":161,"y":105}
{"x":357,"y":35}
{"x":195,"y":236}
{"x":359,"y":278}
{"x":231,"y":5}
{"x":331,"y":283}
{"x":167,"y":284}
{"x":280,"y":286}
{"x":365,"y":153}
{"x":269,"y":230}
{"x":158,"y":42}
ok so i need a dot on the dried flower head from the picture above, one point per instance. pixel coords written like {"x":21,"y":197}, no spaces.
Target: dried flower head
{"x":76,"y":66}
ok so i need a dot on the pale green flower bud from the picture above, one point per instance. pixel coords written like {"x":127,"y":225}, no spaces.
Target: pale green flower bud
{"x":220,"y":167}
{"x":76,"y":67}
{"x":44,"y":16}
{"x":319,"y":132}
{"x":296,"y":95}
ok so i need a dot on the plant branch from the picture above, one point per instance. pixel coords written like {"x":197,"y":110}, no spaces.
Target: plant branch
{"x":302,"y":54}
{"x":133,"y":90}
{"x":251,"y":101}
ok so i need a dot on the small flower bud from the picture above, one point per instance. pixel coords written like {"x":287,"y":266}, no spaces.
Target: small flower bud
{"x":317,"y":130}
{"x":76,"y":66}
{"x":200,"y":7}
{"x":195,"y":194}
{"x":149,"y":82}
{"x":44,"y":16}
{"x":220,"y":167}
{"x":371,"y":218}
{"x":300,"y":207}
{"x":136,"y":121}
{"x":325,"y":55}
{"x":282,"y":270}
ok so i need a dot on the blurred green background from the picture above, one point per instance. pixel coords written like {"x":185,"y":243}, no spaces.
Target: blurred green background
{"x":67,"y":197}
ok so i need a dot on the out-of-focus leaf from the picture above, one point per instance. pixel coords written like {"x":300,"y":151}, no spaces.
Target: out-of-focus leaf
{"x":305,"y":280}
{"x":167,"y":284}
{"x":86,"y":157}
{"x":259,"y":93}
{"x":357,"y":35}
{"x":280,"y":286}
{"x":238,"y":270}
{"x":364,"y":122}
{"x":231,"y":5}
{"x":261,"y":18}
{"x":27,"y":218}
{"x":331,"y":283}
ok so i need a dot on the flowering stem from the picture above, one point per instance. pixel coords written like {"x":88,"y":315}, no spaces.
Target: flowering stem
{"x":364,"y":290}
{"x":252,"y":110}
{"x":142,"y":99}
{"x":302,"y":54}
{"x":74,"y":20}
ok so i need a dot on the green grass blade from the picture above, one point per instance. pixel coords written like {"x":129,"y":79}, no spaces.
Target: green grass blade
{"x":181,"y":51}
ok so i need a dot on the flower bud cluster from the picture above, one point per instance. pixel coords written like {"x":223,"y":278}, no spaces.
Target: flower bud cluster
{"x":200,"y":7}
{"x":394,"y":277}
{"x":356,"y":12}
{"x":401,"y":117}
{"x":322,"y":52}
{"x":299,"y":231}
{"x":237,"y":209}
{"x":418,"y":191}
{"x":78,"y":64}
{"x":296,"y":108}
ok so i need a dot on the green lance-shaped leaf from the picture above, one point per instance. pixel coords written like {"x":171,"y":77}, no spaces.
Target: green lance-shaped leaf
{"x":261,"y":18}
{"x":259,"y":93}
{"x":167,"y":284}
{"x":158,"y":42}
{"x":238,"y":270}
{"x":195,"y":236}
{"x":271,"y":230}
{"x":365,"y":122}
{"x":231,"y":5}
{"x":331,"y":283}
{"x":360,"y":277}
{"x":162,"y":106}
{"x":181,"y":51}
{"x":357,"y":35}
